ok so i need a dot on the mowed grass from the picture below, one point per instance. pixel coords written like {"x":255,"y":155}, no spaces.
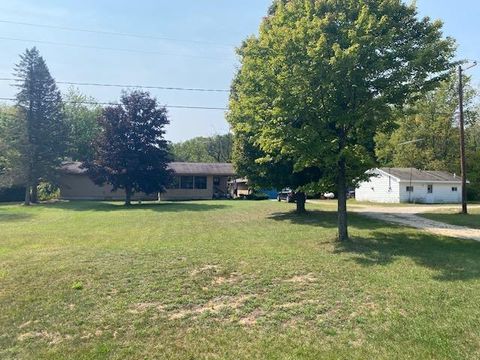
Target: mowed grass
{"x":229,"y":280}
{"x":471,"y":220}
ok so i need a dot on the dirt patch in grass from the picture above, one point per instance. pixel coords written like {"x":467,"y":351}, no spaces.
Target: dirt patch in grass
{"x":231,"y":279}
{"x":303,"y":279}
{"x":205,"y":269}
{"x":50,"y":337}
{"x":143,"y":307}
{"x":213,"y":306}
{"x":252,"y":318}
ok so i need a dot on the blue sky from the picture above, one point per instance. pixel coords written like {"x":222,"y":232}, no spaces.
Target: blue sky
{"x":221,"y":24}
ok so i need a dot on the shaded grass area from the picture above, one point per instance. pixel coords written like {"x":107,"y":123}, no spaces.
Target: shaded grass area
{"x":471,"y":220}
{"x":229,"y":280}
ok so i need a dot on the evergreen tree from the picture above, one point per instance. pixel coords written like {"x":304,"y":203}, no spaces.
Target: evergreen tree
{"x":41,"y":110}
{"x":131,"y":152}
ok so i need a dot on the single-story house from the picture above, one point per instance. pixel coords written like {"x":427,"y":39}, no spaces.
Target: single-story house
{"x":199,"y":181}
{"x":409,"y":185}
{"x":193,"y":181}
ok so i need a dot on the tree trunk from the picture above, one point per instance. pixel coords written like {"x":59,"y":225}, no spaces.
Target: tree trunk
{"x":27,"y":196}
{"x":128,"y":196}
{"x":342,"y":201}
{"x":34,"y":195}
{"x":300,"y":199}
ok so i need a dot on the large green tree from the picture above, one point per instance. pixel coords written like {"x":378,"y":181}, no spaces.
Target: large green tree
{"x":212,"y":149}
{"x":13,"y":147}
{"x":473,"y":155}
{"x":131,"y":152}
{"x":433,"y":121}
{"x":81,"y":114}
{"x":324,"y":76}
{"x":41,"y":117}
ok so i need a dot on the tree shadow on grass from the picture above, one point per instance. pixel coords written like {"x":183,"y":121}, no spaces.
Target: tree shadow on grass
{"x":453,"y":259}
{"x":118,"y":206}
{"x":384,"y":243}
{"x":13,"y":216}
{"x":325,"y":219}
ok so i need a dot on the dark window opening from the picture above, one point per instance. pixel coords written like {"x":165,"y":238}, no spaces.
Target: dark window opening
{"x":430,"y":189}
{"x":454,"y":189}
{"x":216,"y":181}
{"x":187,"y":182}
{"x":200,"y":182}
{"x":175,"y":183}
{"x":409,"y":188}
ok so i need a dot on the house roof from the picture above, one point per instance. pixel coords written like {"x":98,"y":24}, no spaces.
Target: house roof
{"x":416,"y":175}
{"x":186,"y":168}
{"x":181,"y":168}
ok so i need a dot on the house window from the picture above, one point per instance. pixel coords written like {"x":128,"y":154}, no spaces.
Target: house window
{"x":409,"y":188}
{"x":200,"y":182}
{"x":454,"y":189}
{"x":430,"y":189}
{"x":186,"y":182}
{"x":216,"y":181}
{"x":175,"y":183}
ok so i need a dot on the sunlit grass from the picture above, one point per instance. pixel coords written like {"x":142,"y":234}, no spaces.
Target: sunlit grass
{"x":229,"y":280}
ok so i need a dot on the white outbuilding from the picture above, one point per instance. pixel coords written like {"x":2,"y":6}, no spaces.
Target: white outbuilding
{"x":409,"y":185}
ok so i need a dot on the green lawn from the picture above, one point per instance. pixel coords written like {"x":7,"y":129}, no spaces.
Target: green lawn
{"x":471,"y":220}
{"x":229,"y":280}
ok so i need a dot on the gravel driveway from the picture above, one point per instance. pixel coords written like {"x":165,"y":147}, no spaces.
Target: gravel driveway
{"x":407,"y":215}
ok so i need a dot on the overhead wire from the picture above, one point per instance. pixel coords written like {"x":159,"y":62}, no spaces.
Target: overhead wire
{"x":114,"y":103}
{"x":131,"y":86}
{"x":81,"y":46}
{"x":114,"y":33}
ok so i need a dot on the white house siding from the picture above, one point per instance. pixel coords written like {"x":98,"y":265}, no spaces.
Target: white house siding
{"x":382,"y":189}
{"x":442,"y":193}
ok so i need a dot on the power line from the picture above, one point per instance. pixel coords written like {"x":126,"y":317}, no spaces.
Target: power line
{"x":113,"y":104}
{"x":114,"y":33}
{"x":107,"y":48}
{"x":130,"y":86}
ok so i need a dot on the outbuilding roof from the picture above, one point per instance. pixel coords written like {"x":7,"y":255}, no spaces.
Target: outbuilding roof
{"x":180,"y":168}
{"x":407,"y":174}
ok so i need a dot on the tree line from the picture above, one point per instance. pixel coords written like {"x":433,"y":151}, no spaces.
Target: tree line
{"x":123,"y":145}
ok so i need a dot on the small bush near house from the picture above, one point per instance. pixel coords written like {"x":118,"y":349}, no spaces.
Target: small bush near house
{"x":47,"y":191}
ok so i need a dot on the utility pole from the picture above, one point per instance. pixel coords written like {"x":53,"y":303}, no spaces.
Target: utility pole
{"x":463,"y":161}
{"x":462,"y":142}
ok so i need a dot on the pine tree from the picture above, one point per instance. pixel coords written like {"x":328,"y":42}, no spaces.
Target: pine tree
{"x":131,"y":152}
{"x":40,"y":105}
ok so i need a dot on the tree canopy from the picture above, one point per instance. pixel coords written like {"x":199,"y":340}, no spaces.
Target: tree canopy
{"x":212,"y":149}
{"x":131,"y":152}
{"x":323,"y":77}
{"x":81,"y":119}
